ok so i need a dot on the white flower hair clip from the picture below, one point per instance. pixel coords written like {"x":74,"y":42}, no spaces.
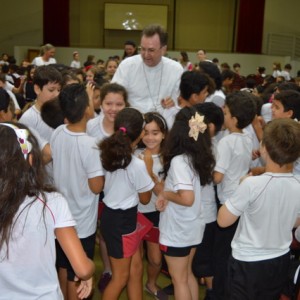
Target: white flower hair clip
{"x":197,"y":125}
{"x":22,"y":138}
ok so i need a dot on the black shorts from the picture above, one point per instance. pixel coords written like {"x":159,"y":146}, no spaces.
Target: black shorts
{"x":259,"y":280}
{"x":152,"y":235}
{"x":176,"y":251}
{"x":203,"y":259}
{"x":119,"y":230}
{"x":62,"y":261}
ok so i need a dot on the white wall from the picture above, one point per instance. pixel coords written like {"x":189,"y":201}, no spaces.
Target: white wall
{"x":249,"y":62}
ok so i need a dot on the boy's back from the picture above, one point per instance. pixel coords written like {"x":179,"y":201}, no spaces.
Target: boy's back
{"x":233,"y":160}
{"x":271,"y":205}
{"x":76,"y":158}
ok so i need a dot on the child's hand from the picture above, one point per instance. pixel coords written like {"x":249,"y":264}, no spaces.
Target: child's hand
{"x":85,"y":288}
{"x":161,"y":203}
{"x":148,"y":161}
{"x":90,"y":89}
{"x":255,"y":154}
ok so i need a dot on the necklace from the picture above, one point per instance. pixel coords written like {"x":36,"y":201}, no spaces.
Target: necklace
{"x":156,"y":102}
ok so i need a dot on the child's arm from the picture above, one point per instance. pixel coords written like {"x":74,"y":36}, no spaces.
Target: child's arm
{"x":225,"y":217}
{"x":218,"y":177}
{"x":96,"y":184}
{"x":145,"y":197}
{"x":181,"y":197}
{"x":46,"y":154}
{"x":84,"y":267}
{"x":90,"y":92}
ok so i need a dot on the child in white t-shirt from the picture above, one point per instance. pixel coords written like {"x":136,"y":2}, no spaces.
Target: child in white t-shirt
{"x":78,"y":174}
{"x":32,"y":215}
{"x":234,"y":155}
{"x":269,"y":207}
{"x":188,"y":166}
{"x":150,"y":151}
{"x":127,"y":183}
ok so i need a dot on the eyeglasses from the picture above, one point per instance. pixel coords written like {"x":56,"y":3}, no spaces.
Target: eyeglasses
{"x":149,"y":50}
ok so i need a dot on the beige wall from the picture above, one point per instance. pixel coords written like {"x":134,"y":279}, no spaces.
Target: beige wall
{"x":281,"y":17}
{"x":198,"y":24}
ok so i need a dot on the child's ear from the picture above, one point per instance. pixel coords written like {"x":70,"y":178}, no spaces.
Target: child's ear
{"x":37,"y":89}
{"x":290,"y":113}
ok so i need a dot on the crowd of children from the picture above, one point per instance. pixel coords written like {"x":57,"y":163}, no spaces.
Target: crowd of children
{"x":180,"y":188}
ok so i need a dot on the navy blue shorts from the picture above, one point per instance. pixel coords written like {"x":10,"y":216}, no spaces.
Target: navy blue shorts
{"x":176,"y":251}
{"x":62,"y":261}
{"x":259,"y":280}
{"x":119,"y":230}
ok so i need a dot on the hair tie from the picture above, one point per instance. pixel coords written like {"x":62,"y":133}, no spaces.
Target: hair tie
{"x":123,"y":129}
{"x":22,"y":138}
{"x":196,"y":125}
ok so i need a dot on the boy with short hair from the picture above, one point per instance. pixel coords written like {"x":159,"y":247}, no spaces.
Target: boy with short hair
{"x":47,"y":84}
{"x":234,"y":155}
{"x":78,"y":175}
{"x":268,"y":206}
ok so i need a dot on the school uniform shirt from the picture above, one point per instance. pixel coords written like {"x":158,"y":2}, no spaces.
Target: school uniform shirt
{"x":9,"y":87}
{"x":29,"y":272}
{"x":255,"y":145}
{"x":95,"y":128}
{"x":76,"y":158}
{"x":182,"y":226}
{"x":218,"y":98}
{"x":157,"y":167}
{"x":296,"y":170}
{"x":268,"y":206}
{"x":32,"y":118}
{"x":234,"y":155}
{"x":122,"y":186}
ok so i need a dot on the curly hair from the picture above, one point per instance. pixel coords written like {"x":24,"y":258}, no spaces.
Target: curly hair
{"x":198,"y":152}
{"x":116,"y":150}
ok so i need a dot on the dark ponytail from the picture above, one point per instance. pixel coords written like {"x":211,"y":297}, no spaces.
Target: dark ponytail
{"x":116,"y":150}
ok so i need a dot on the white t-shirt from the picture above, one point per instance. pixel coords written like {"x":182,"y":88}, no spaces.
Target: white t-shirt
{"x":38,"y":61}
{"x":9,"y":87}
{"x":147,"y":86}
{"x":268,"y":206}
{"x":266,"y":112}
{"x":255,"y":145}
{"x":182,"y":226}
{"x":32,"y":118}
{"x":75,"y":64}
{"x":218,"y":98}
{"x":157,"y":167}
{"x":234,"y":155}
{"x":296,"y":170}
{"x":76,"y":158}
{"x":122,"y":186}
{"x":29,"y":272}
{"x":95,"y":128}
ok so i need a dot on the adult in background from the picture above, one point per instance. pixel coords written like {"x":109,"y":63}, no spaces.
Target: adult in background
{"x":130,"y":49}
{"x":46,"y":56}
{"x":152,"y":80}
